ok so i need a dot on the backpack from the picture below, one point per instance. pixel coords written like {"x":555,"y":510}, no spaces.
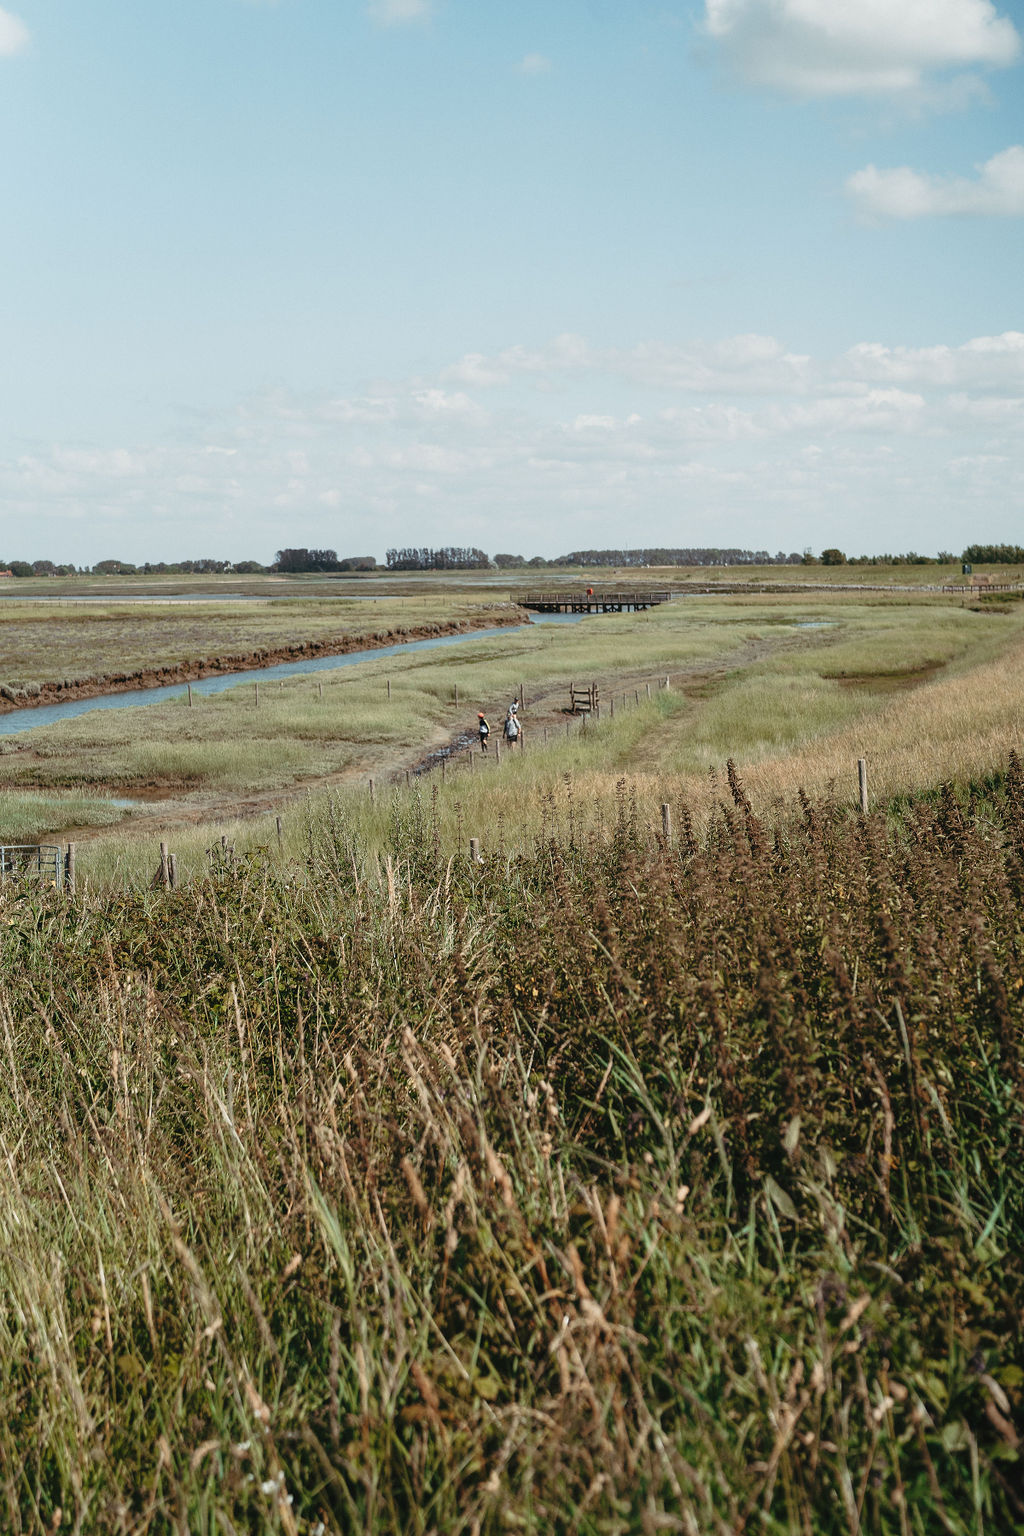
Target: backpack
{"x":511,"y":727}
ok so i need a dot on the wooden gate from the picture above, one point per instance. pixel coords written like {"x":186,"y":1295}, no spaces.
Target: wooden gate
{"x":583,"y":699}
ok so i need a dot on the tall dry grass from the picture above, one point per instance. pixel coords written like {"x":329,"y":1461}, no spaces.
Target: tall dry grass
{"x":601,"y":1187}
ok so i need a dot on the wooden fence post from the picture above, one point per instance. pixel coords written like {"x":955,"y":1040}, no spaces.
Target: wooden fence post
{"x":444,"y":765}
{"x":389,"y":689}
{"x":172,"y":870}
{"x":522,"y":697}
{"x":497,"y":753}
{"x":862,"y":777}
{"x":165,"y":868}
{"x":666,"y":824}
{"x":371,"y":791}
{"x":257,"y":695}
{"x":648,"y":690}
{"x":611,"y":705}
{"x":474,"y":850}
{"x":456,"y":695}
{"x":189,"y":687}
{"x":280,"y":839}
{"x":320,"y":690}
{"x":69,"y":869}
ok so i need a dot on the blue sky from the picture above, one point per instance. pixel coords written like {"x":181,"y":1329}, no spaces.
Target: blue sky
{"x":613,"y":272}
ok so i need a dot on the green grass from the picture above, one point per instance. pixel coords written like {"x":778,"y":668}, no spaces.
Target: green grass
{"x":24,"y":817}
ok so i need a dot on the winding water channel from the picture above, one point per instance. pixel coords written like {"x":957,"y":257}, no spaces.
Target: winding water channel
{"x":19,"y":720}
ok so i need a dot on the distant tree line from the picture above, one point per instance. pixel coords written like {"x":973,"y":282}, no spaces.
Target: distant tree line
{"x":629,"y":557}
{"x":288,"y":560}
{"x":292,"y":561}
{"x":994,"y":554}
{"x":977,"y":554}
{"x":452,"y":557}
{"x":910,"y":558}
{"x":449,"y":558}
{"x":38,"y":568}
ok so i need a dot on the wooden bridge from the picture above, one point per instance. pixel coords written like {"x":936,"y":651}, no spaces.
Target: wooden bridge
{"x":590,"y":601}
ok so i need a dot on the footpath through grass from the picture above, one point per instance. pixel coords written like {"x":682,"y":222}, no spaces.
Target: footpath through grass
{"x":599,"y":1188}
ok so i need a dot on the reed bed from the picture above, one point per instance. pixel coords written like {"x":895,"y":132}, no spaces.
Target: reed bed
{"x":603,"y":1186}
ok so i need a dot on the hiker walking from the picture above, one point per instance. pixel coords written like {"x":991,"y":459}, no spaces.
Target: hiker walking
{"x":483,"y":730}
{"x":512,"y":725}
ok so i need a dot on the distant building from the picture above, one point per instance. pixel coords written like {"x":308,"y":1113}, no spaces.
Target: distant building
{"x":6,"y":573}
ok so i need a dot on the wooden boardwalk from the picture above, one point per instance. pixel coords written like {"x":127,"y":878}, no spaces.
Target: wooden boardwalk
{"x":591,"y":602}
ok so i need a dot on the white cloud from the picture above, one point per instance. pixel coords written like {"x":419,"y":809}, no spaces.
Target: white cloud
{"x":396,"y":13}
{"x":997,"y":412}
{"x":747,"y":363}
{"x":903,"y":193}
{"x":888,"y":411}
{"x":14,"y":35}
{"x":857,"y":47}
{"x":535,"y":64}
{"x":734,"y":441}
{"x":985,"y":363}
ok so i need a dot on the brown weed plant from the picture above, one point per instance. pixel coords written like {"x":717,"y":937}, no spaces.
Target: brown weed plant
{"x":608,"y":1187}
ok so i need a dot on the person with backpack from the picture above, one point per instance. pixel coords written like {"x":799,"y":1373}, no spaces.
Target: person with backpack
{"x":483,"y":729}
{"x":512,"y":726}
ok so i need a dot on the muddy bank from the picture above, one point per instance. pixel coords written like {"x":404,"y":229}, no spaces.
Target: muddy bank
{"x":501,"y":615}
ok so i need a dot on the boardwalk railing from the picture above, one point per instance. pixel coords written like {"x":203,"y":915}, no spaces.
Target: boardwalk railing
{"x":979,"y":588}
{"x":591,"y":602}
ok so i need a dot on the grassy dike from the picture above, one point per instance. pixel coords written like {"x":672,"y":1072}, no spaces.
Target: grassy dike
{"x":594,"y":1189}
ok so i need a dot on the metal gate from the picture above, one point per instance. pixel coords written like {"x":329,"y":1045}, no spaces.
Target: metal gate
{"x":43,"y":862}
